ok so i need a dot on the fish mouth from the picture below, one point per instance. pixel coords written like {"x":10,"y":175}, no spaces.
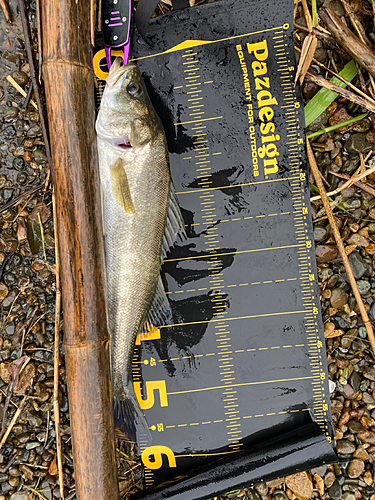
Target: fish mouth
{"x":121,"y":142}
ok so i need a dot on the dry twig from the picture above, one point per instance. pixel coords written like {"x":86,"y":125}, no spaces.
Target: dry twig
{"x":13,"y":82}
{"x":56,"y":357}
{"x":308,"y":47}
{"x":6,"y":11}
{"x":13,"y":421}
{"x":340,"y":245}
{"x":348,"y":41}
{"x":358,"y":184}
{"x":319,"y":80}
{"x":348,"y":183}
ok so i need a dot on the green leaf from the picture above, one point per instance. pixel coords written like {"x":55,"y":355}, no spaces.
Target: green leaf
{"x":325,"y":97}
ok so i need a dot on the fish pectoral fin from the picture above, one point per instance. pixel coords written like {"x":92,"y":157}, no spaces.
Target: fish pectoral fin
{"x":175,"y":225}
{"x":120,"y":186}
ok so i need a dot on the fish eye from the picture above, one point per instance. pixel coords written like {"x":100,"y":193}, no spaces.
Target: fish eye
{"x":134,"y":89}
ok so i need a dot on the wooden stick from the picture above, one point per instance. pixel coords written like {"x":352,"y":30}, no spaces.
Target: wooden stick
{"x":70,"y":96}
{"x":56,"y":354}
{"x":340,"y":244}
{"x":13,"y":82}
{"x":344,"y":37}
{"x":319,"y":80}
{"x":4,"y":5}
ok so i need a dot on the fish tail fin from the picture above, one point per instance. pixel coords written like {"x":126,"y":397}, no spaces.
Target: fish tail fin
{"x":130,"y":419}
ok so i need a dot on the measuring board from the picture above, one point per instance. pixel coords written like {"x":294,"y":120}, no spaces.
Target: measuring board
{"x":243,"y":358}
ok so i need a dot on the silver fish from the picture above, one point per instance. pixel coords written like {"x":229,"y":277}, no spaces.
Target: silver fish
{"x":141,"y":220}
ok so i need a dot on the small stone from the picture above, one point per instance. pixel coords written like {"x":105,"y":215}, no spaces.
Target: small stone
{"x":4,"y":290}
{"x":275,"y":483}
{"x":348,"y":495}
{"x":356,"y":467}
{"x":369,"y":373}
{"x":363,"y":286}
{"x":368,"y":399}
{"x":320,"y":233}
{"x":358,"y":265}
{"x":357,"y":143}
{"x":319,"y":122}
{"x":357,"y":239}
{"x":361,"y":453}
{"x":21,"y":78}
{"x":339,"y":116}
{"x":349,"y":337}
{"x":28,"y":156}
{"x":367,"y":477}
{"x":355,"y":427}
{"x":329,"y":479}
{"x":338,"y":298}
{"x":367,"y":436}
{"x":300,"y":484}
{"x":326,"y":253}
{"x":10,"y":113}
{"x":335,"y":491}
{"x":345,"y":447}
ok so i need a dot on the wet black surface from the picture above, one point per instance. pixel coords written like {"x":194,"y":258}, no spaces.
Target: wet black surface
{"x":242,"y":360}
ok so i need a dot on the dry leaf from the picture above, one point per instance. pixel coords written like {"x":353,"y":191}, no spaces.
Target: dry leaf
{"x":334,"y":333}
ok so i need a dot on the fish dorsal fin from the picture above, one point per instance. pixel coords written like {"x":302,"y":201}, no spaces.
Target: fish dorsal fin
{"x":175,"y":225}
{"x":120,"y":186}
{"x":160,"y":311}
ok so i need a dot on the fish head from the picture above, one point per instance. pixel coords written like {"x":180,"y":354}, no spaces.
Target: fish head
{"x":126,"y":117}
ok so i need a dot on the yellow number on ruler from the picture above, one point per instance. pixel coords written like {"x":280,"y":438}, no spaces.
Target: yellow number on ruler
{"x":325,"y":407}
{"x":329,"y":439}
{"x":297,"y":105}
{"x":156,"y":385}
{"x":300,"y":141}
{"x":319,"y":344}
{"x":315,"y":310}
{"x":302,"y":176}
{"x":308,"y":244}
{"x":157,"y":452}
{"x":311,"y":277}
{"x":322,"y":376}
{"x":305,"y":210}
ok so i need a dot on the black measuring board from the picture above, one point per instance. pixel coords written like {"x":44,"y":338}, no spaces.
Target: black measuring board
{"x":243,"y":359}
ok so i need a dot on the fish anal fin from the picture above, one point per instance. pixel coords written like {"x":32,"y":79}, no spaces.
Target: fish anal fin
{"x":120,"y":186}
{"x":150,"y":332}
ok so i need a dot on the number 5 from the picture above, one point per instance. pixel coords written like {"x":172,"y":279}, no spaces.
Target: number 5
{"x":150,"y":387}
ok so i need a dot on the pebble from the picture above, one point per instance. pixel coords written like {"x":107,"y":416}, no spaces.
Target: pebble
{"x":338,"y":298}
{"x":21,"y":78}
{"x":348,"y":337}
{"x":357,"y":143}
{"x":335,"y":491}
{"x":326,"y":253}
{"x":363,"y":286}
{"x":356,"y":467}
{"x":329,"y":479}
{"x":4,"y":290}
{"x":339,"y":116}
{"x":357,"y":239}
{"x":358,"y":265}
{"x":319,"y":122}
{"x":369,"y":373}
{"x":300,"y":484}
{"x":344,"y":447}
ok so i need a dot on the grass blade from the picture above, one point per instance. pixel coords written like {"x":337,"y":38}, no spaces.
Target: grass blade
{"x":338,"y":125}
{"x":325,"y":97}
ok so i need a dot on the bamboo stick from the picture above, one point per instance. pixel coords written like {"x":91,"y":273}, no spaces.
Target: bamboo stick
{"x":69,"y":84}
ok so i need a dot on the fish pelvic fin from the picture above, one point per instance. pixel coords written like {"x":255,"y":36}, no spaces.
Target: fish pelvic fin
{"x":130,"y":419}
{"x":120,"y":186}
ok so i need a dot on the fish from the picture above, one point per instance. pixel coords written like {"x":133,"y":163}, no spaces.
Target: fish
{"x":141,"y":222}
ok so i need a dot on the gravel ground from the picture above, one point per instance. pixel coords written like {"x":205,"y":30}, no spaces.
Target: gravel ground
{"x":27,"y":297}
